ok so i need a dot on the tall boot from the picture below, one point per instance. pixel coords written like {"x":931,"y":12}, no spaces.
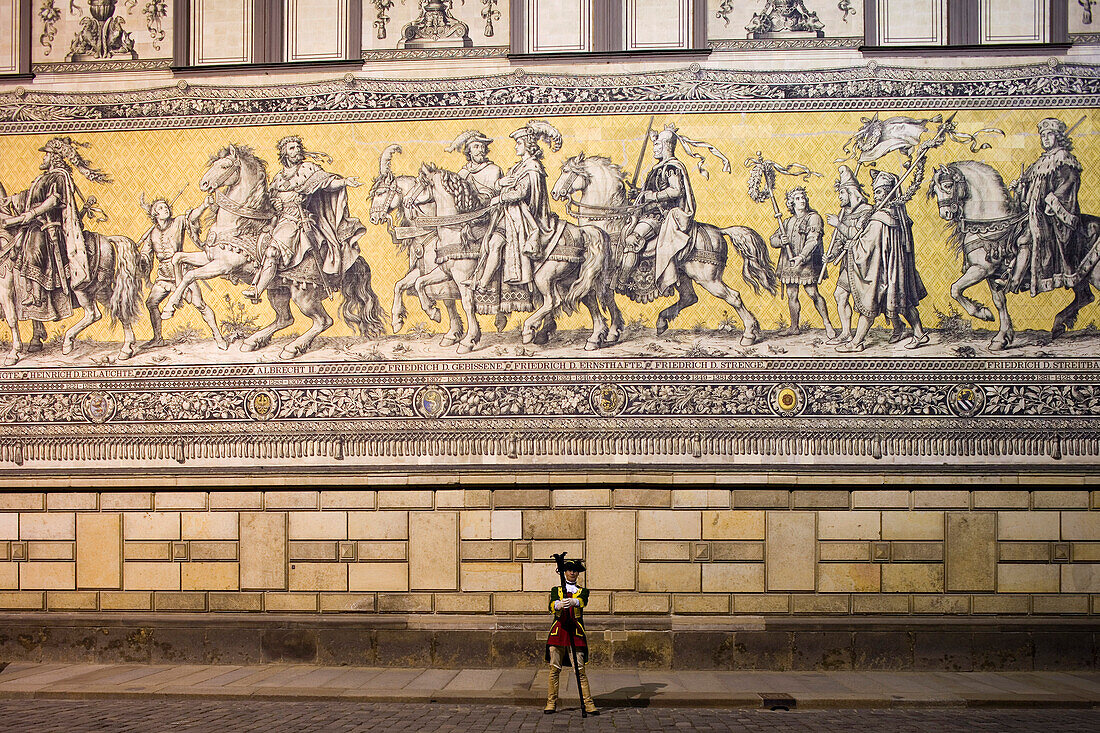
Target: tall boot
{"x":586,"y":693}
{"x":263,"y":278}
{"x":552,"y":691}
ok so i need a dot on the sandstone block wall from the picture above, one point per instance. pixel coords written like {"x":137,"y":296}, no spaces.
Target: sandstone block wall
{"x":694,"y":553}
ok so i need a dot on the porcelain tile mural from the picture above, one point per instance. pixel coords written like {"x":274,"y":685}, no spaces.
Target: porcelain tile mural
{"x":689,"y":268}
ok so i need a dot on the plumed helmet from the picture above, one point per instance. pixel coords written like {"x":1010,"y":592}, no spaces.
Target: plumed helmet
{"x":466,"y":138}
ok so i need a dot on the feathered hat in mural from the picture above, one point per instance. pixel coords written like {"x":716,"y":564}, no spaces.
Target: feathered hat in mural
{"x":540,"y":130}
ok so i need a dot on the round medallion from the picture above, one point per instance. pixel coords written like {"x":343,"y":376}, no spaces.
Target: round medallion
{"x":433,"y":401}
{"x":966,"y":400}
{"x":608,"y":400}
{"x":99,"y":407}
{"x":263,"y":404}
{"x":788,"y":399}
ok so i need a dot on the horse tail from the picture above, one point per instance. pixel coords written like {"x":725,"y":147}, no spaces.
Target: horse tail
{"x":126,"y":289}
{"x":757,"y":269}
{"x":594,"y":268}
{"x":361,"y":307}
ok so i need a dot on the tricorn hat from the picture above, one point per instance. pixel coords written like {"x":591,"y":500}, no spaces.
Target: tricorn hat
{"x":577,"y":565}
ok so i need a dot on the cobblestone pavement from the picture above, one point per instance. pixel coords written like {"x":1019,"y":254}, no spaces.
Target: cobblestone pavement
{"x":232,"y":716}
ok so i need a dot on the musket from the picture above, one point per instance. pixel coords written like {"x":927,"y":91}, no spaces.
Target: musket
{"x":568,"y":623}
{"x":641,"y":155}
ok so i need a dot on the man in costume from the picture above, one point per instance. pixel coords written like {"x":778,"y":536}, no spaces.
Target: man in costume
{"x":800,"y":256}
{"x":164,"y":239}
{"x":568,"y":610}
{"x":49,"y":250}
{"x":479,"y":170}
{"x":882,"y":269}
{"x":1047,"y":190}
{"x":855,"y":210}
{"x":528,"y":222}
{"x":311,"y":215}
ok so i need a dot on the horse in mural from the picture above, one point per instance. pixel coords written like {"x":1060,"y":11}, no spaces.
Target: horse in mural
{"x":604,"y":203}
{"x":988,"y":223}
{"x":574,"y":271}
{"x":388,"y":195}
{"x":116,"y":282}
{"x":238,"y":180}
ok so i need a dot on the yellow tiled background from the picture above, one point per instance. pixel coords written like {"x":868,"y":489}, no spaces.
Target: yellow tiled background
{"x":165,"y":162}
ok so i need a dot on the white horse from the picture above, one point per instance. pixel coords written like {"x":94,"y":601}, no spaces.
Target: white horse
{"x":388,"y":194}
{"x":604,"y":203}
{"x":231,"y":250}
{"x":574,"y":271}
{"x":115,"y":282}
{"x":988,"y":227}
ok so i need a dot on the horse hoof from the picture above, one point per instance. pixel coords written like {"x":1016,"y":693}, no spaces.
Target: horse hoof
{"x":1057,"y":331}
{"x":435,"y":315}
{"x":591,"y":345}
{"x":662,"y":326}
{"x":748,"y":338}
{"x":501,"y":321}
{"x":612,"y":338}
{"x":125,"y":353}
{"x":397,"y":324}
{"x":985,"y":315}
{"x":448,"y":341}
{"x":67,"y":347}
{"x":167,"y":313}
{"x":528,"y":336}
{"x":249,"y":346}
{"x":11,"y":359}
{"x":223,"y":345}
{"x":33,"y":347}
{"x":291,"y":352}
{"x":465,"y":348}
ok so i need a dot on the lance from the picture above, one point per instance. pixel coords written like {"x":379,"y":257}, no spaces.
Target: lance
{"x":568,"y":624}
{"x":641,"y":154}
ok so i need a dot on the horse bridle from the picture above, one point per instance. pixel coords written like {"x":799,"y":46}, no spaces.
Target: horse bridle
{"x":591,"y":212}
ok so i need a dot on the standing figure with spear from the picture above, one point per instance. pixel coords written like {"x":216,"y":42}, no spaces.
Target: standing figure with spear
{"x":567,"y":637}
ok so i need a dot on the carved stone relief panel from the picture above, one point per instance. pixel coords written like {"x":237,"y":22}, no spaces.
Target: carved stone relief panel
{"x":403,"y":29}
{"x":102,"y":35}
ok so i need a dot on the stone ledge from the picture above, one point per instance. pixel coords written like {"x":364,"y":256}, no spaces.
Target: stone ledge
{"x":949,"y":644}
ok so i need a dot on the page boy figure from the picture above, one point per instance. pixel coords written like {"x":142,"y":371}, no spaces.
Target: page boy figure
{"x":568,"y":610}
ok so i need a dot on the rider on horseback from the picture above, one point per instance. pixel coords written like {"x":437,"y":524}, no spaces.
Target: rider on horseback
{"x":479,"y":170}
{"x":528,"y":222}
{"x":1047,"y":191}
{"x":311,"y":216}
{"x":50,"y":251}
{"x":668,"y":212}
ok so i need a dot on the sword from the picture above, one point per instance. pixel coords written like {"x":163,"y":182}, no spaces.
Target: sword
{"x":641,"y":154}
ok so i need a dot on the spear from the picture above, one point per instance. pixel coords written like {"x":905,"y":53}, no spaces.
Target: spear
{"x":568,"y":623}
